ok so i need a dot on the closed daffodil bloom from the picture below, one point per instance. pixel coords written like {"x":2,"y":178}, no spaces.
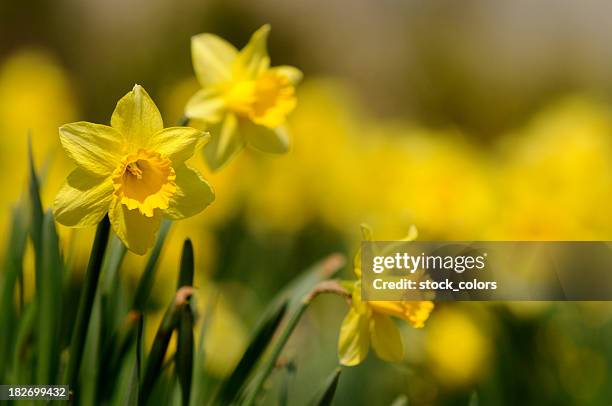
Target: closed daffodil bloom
{"x":370,"y":322}
{"x":243,"y":101}
{"x":134,"y":170}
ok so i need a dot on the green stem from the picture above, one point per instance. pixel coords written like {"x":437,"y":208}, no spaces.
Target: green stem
{"x":88,"y":294}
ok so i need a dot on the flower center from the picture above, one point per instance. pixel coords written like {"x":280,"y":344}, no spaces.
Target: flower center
{"x":266,"y":101}
{"x":145,"y":180}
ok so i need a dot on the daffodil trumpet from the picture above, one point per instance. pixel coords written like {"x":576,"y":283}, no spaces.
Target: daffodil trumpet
{"x":134,"y":170}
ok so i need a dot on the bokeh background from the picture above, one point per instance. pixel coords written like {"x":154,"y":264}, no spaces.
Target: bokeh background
{"x":472,"y":120}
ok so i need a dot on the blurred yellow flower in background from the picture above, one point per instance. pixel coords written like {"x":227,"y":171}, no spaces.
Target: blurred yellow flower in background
{"x":243,"y":100}
{"x":456,"y":347}
{"x":36,"y":97}
{"x":133,"y":170}
{"x":556,"y":181}
{"x":370,"y":323}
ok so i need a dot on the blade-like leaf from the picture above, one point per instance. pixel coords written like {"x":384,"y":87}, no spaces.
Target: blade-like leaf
{"x":36,"y":213}
{"x":22,"y":354}
{"x":184,"y":351}
{"x":50,"y":305}
{"x":328,"y":391}
{"x":86,"y":301}
{"x":300,"y":293}
{"x":199,"y":382}
{"x":186,"y":269}
{"x":154,"y":364}
{"x":10,"y":276}
{"x":230,"y":389}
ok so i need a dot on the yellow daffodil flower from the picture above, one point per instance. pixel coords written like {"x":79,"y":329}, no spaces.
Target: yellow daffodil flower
{"x":134,"y":170}
{"x":370,"y":323}
{"x":243,"y":100}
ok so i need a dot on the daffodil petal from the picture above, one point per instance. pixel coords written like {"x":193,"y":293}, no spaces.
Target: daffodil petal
{"x":273,"y":140}
{"x":386,"y":339}
{"x":137,"y":232}
{"x":94,"y":147}
{"x":178,"y":143}
{"x":354,"y":341}
{"x":226,"y":141}
{"x":253,"y":59}
{"x":290,"y":72}
{"x":83,"y":200}
{"x":212,"y":59}
{"x":192,"y":194}
{"x":137,"y":117}
{"x":206,"y":105}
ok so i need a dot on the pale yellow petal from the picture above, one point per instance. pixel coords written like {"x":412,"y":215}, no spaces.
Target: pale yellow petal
{"x":354,"y":341}
{"x":265,"y":139}
{"x":94,"y":147}
{"x":253,"y":59}
{"x":178,"y":143}
{"x":206,"y":105}
{"x":137,"y":117}
{"x":225,"y":142}
{"x":83,"y":200}
{"x":193,"y":194}
{"x":212,"y":59}
{"x":386,"y":339}
{"x":137,"y":231}
{"x":290,"y":72}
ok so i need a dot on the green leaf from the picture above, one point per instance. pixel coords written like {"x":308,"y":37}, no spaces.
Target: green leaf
{"x":22,"y":354}
{"x":13,"y":268}
{"x":299,"y":293}
{"x":154,"y":364}
{"x":88,"y":293}
{"x":50,"y":305}
{"x":184,"y":351}
{"x":186,"y":268}
{"x":117,"y":350}
{"x":230,"y":389}
{"x":36,"y":213}
{"x":328,"y":391}
{"x":199,"y":381}
{"x":143,"y":291}
{"x":127,"y":389}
